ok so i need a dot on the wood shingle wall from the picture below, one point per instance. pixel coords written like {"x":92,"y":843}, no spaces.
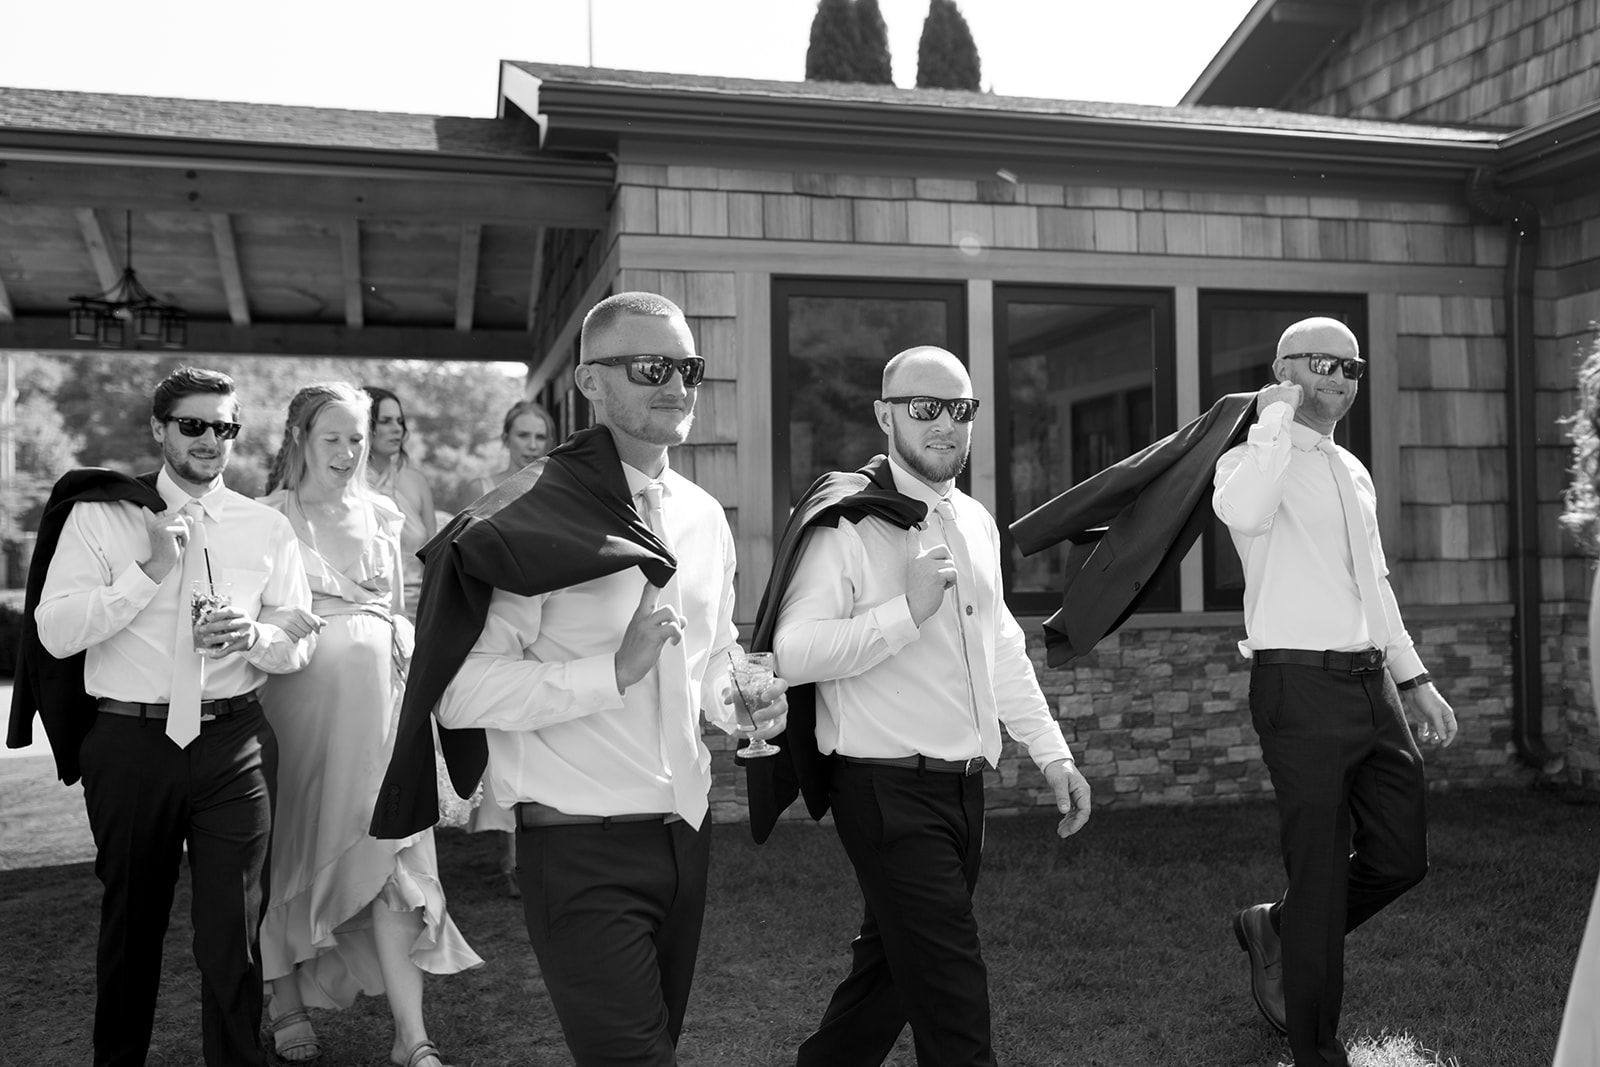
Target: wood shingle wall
{"x":1505,"y":63}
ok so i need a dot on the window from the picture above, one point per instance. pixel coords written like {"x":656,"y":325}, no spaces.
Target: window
{"x":1238,"y":338}
{"x":1087,"y":380}
{"x":830,"y":340}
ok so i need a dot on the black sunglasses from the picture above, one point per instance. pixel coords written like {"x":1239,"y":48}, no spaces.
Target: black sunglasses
{"x":655,"y":370}
{"x":1322,"y":363}
{"x":927,"y":408}
{"x":225,"y":431}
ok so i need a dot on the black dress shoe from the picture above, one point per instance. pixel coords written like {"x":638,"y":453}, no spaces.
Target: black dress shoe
{"x":1253,"y":928}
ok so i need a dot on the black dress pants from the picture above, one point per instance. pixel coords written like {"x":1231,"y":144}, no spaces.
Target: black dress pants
{"x":1352,"y":828}
{"x":915,"y":839}
{"x":614,"y":914}
{"x":147,"y":799}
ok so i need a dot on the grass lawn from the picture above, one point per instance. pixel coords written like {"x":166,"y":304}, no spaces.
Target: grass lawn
{"x":1110,"y":950}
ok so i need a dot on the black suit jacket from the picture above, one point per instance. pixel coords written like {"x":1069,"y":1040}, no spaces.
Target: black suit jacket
{"x":561,"y":521}
{"x":44,"y":684}
{"x":772,"y":783}
{"x":1152,"y":507}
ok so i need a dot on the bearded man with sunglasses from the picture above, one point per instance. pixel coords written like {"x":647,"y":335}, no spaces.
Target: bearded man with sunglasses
{"x":1331,"y":662}
{"x":170,"y":741}
{"x":575,"y":627}
{"x":917,"y":663}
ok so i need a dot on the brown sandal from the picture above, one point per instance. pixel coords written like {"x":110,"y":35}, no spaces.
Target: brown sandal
{"x":420,"y":1051}
{"x":294,"y":1044}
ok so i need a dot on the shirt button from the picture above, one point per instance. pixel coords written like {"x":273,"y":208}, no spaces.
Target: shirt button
{"x":969,"y":609}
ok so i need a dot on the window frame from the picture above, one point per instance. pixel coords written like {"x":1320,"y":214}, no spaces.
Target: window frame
{"x":1354,"y":431}
{"x":1160,"y":301}
{"x":953,"y":293}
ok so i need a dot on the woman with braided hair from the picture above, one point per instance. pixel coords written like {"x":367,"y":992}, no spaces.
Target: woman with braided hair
{"x":347,"y":913}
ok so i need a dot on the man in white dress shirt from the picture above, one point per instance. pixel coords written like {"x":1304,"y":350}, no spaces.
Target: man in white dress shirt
{"x":917,"y":662}
{"x":591,"y":698}
{"x":161,"y":771}
{"x":1327,"y":648}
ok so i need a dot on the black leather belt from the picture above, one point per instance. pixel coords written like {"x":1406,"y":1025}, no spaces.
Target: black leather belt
{"x":209,"y":709}
{"x":974,"y":765}
{"x":531,"y":814}
{"x":1364,"y":662}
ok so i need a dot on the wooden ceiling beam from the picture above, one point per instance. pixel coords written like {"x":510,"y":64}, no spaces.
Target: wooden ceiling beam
{"x":48,"y":333}
{"x":350,"y":269}
{"x":94,"y":239}
{"x":467,"y":275}
{"x":7,"y":312}
{"x":228,"y":268}
{"x":453,"y":199}
{"x":536,"y":283}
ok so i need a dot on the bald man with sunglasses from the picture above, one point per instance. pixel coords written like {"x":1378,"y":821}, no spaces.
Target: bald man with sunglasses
{"x":1331,"y":662}
{"x":917,"y":663}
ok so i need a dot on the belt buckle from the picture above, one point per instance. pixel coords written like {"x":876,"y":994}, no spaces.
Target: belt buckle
{"x":974,"y":765}
{"x":208,"y":717}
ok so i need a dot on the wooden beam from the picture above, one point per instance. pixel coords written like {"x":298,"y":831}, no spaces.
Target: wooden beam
{"x":446,"y":199}
{"x":228,"y":267}
{"x":538,"y":277}
{"x":467,"y":275}
{"x":350,"y":265}
{"x":7,"y":312}
{"x":94,"y":239}
{"x":48,"y":333}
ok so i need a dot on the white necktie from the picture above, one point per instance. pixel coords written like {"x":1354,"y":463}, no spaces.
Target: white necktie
{"x":974,"y":650}
{"x":188,"y":666}
{"x":680,"y":741}
{"x":1360,"y":547}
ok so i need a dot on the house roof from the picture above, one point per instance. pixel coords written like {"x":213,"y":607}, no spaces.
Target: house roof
{"x":1274,"y":47}
{"x":582,"y":108}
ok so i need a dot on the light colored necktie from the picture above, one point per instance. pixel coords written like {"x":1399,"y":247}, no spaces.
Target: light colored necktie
{"x":1360,"y":546}
{"x":680,"y":741}
{"x":188,"y":666}
{"x":974,"y":651}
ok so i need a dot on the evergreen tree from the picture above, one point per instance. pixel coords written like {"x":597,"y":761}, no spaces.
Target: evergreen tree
{"x":831,"y":56}
{"x":872,"y":44}
{"x":947,"y":57}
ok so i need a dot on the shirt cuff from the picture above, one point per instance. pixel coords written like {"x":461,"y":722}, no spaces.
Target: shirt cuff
{"x":893,"y":620}
{"x":1047,"y":750}
{"x":1405,"y":665}
{"x":594,"y":683}
{"x":135,"y":586}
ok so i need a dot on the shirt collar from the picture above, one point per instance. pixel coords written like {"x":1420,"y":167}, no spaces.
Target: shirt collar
{"x":177,"y":497}
{"x":638,"y":480}
{"x":908,"y":484}
{"x":1304,"y":437}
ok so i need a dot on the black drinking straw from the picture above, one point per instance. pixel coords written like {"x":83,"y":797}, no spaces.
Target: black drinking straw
{"x":210,"y":581}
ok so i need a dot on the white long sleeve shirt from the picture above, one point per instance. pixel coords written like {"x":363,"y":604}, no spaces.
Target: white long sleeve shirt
{"x":541,"y":679}
{"x":885,"y":687}
{"x":1277,"y":495}
{"x":96,"y":598}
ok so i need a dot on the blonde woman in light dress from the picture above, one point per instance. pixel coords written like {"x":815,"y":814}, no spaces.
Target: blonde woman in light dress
{"x":391,"y":472}
{"x":1579,"y":1043}
{"x":347,"y":913}
{"x":527,"y":432}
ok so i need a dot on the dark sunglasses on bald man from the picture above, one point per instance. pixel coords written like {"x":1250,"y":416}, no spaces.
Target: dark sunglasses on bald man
{"x":927,"y":408}
{"x":655,"y":370}
{"x":1323,"y":364}
{"x":225,"y":431}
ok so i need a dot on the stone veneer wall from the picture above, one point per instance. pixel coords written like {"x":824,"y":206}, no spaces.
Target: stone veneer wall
{"x":1159,"y":714}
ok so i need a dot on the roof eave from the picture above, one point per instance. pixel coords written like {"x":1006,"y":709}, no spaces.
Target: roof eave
{"x":1565,"y":147}
{"x":577,"y":112}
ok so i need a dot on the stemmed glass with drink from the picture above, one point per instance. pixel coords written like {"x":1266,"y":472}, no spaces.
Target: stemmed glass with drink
{"x":751,"y":673}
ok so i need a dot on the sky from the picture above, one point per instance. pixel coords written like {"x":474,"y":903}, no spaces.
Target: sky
{"x":442,"y":57}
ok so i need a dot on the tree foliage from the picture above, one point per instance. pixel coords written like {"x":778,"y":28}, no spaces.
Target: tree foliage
{"x":94,"y":410}
{"x":947,"y":56}
{"x":849,"y":43}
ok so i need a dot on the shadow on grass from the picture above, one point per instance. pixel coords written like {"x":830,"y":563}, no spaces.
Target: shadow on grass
{"x":1112,"y":949}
